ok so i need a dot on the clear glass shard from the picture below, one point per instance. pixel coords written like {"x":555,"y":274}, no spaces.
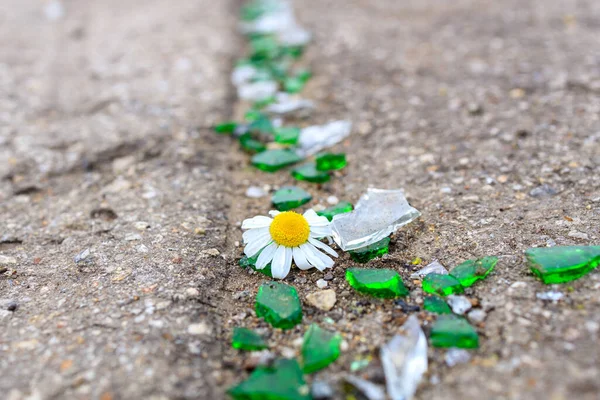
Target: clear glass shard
{"x":318,"y":137}
{"x":404,"y":360}
{"x":278,"y":19}
{"x":286,"y":105}
{"x":431,"y":268}
{"x":377,"y":214}
{"x":363,"y":389}
{"x":257,"y":91}
{"x":243,"y":74}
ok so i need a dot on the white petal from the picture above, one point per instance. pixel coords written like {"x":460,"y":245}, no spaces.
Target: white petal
{"x":254,"y":247}
{"x":315,"y":257}
{"x":323,"y":247}
{"x":300,"y":259}
{"x":314,"y":219}
{"x":266,"y":256}
{"x":320,"y":231}
{"x":254,"y":234}
{"x":257,"y":222}
{"x":281,"y":264}
{"x":273,"y":213}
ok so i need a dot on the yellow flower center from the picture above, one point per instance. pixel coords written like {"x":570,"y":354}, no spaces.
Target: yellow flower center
{"x":289,"y":229}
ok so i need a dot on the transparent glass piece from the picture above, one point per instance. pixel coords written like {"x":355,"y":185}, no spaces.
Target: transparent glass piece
{"x":404,"y":360}
{"x":318,"y":137}
{"x":431,"y":268}
{"x":286,"y":104}
{"x":377,"y":214}
{"x":257,"y":91}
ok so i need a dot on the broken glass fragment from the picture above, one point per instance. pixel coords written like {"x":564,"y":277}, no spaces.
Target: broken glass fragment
{"x":285,"y":105}
{"x":453,"y":331}
{"x":251,"y":145}
{"x":279,"y":305}
{"x":319,"y":349}
{"x":250,"y":262}
{"x":357,"y":388}
{"x":273,"y":160}
{"x":431,"y":268}
{"x":377,"y":214}
{"x":281,"y":381}
{"x":309,"y":173}
{"x":247,"y":339}
{"x":384,"y":283}
{"x":436,"y":304}
{"x":340,"y":208}
{"x":562,"y":263}
{"x":290,"y":197}
{"x":330,"y":161}
{"x":443,"y":285}
{"x":318,"y":137}
{"x":226,"y":127}
{"x":367,"y":253}
{"x":287,"y":135}
{"x":404,"y":360}
{"x":472,"y":271}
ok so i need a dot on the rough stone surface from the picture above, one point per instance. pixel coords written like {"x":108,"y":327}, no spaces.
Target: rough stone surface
{"x":77,"y":96}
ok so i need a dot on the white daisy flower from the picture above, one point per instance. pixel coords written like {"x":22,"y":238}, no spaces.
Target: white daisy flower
{"x":286,"y":236}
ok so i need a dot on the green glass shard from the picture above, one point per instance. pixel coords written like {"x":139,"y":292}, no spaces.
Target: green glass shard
{"x":250,"y":144}
{"x":247,"y":339}
{"x":319,"y":349}
{"x":290,"y":197}
{"x":384,"y":283}
{"x":453,"y":331}
{"x":252,"y":115}
{"x":295,"y":84}
{"x":309,"y":173}
{"x":261,"y":124}
{"x":282,"y":381}
{"x":255,"y":9}
{"x":472,"y":271}
{"x":436,"y":305}
{"x":367,"y":253}
{"x":562,"y":263}
{"x":292,"y":51}
{"x":273,"y":160}
{"x":287,"y":135}
{"x":260,"y":104}
{"x":264,"y":47}
{"x":250,"y":262}
{"x":226,"y":127}
{"x":441,"y":284}
{"x":279,"y":305}
{"x":340,"y":208}
{"x":330,"y":161}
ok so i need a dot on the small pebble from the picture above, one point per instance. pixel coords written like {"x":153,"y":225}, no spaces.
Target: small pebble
{"x":321,"y":283}
{"x":550,"y":296}
{"x":79,"y":257}
{"x":6,"y":261}
{"x":321,"y":390}
{"x":332,"y":200}
{"x":255,"y":192}
{"x":456,"y":356}
{"x":543,"y":191}
{"x":323,"y":300}
{"x":459,"y":304}
{"x":476,"y":316}
{"x":133,"y":237}
{"x":141,"y":225}
{"x":201,"y":328}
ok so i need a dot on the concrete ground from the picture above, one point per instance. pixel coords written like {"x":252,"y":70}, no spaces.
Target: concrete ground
{"x":120,"y":208}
